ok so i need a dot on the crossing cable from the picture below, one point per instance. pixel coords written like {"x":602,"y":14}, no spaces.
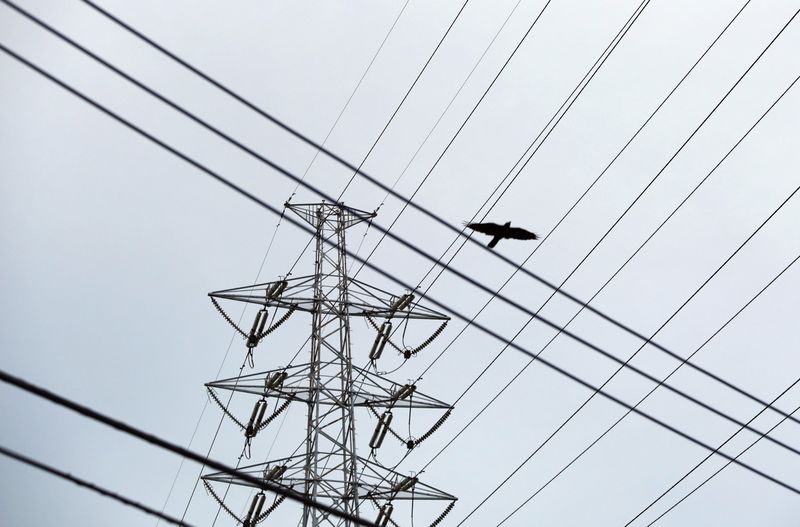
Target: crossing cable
{"x":91,"y":486}
{"x":460,"y":128}
{"x":352,"y":94}
{"x":627,"y":363}
{"x":430,"y":132}
{"x":641,"y":400}
{"x":619,"y":269}
{"x":175,"y":449}
{"x":596,"y":180}
{"x":349,"y":165}
{"x":723,"y":467}
{"x":402,"y":101}
{"x":568,"y":102}
{"x":318,"y":147}
{"x":557,"y":117}
{"x":701,"y":462}
{"x":371,"y":179}
{"x":590,"y":75}
{"x":338,"y":117}
{"x":446,"y":109}
{"x":379,"y":184}
{"x":288,"y":174}
{"x":306,"y":228}
{"x":678,"y":357}
{"x":405,"y":243}
{"x":652,"y":181}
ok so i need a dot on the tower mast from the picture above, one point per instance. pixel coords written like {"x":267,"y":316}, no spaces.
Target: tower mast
{"x":330,"y":386}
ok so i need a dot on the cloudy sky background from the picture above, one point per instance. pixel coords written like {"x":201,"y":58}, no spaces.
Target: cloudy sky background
{"x":110,"y":244}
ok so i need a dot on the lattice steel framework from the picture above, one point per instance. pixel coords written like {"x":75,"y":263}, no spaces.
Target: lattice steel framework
{"x":330,"y":470}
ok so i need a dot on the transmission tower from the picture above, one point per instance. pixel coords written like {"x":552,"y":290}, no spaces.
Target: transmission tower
{"x":327,"y":467}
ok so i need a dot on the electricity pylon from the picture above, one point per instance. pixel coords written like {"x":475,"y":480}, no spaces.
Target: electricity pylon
{"x":330,"y":385}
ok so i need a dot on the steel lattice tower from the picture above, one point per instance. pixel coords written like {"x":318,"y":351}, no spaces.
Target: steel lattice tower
{"x":330,"y":385}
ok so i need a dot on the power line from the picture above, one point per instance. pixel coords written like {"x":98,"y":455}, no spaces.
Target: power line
{"x":607,"y":282}
{"x":364,"y":175}
{"x":648,"y":394}
{"x":176,"y":449}
{"x":602,"y":238}
{"x":449,"y":104}
{"x":460,"y":128}
{"x":436,"y":124}
{"x":357,"y":170}
{"x":579,"y":88}
{"x":580,"y":198}
{"x":627,"y":362}
{"x":229,"y":184}
{"x":91,"y":486}
{"x":400,"y":240}
{"x":723,"y":467}
{"x":353,"y":93}
{"x":590,"y":75}
{"x":757,"y":415}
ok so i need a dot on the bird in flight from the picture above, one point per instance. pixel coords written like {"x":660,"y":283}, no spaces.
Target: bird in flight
{"x":498,"y":232}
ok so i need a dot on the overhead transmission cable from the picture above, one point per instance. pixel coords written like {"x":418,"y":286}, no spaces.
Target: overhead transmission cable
{"x":402,"y":101}
{"x":91,"y":486}
{"x":448,"y":106}
{"x":590,"y":74}
{"x":176,"y":449}
{"x":349,"y":165}
{"x":771,"y":405}
{"x":402,"y":241}
{"x":496,"y":357}
{"x":395,"y":237}
{"x":619,"y":269}
{"x":723,"y":467}
{"x":352,"y":94}
{"x":460,"y":128}
{"x":335,"y":122}
{"x":439,"y":119}
{"x":345,"y":163}
{"x":251,"y":197}
{"x":627,"y":362}
{"x":318,"y":148}
{"x":568,"y":102}
{"x":736,"y":314}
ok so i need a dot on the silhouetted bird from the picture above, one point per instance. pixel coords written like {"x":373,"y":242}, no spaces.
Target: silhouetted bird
{"x":498,"y":232}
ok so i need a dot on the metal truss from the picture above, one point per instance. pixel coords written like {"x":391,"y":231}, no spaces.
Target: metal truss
{"x":364,"y":299}
{"x":330,"y":387}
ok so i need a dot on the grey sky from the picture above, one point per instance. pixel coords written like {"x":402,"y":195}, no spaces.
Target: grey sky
{"x":109,"y":244}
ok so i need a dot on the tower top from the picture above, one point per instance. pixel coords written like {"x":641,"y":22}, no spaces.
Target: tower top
{"x":332,"y":215}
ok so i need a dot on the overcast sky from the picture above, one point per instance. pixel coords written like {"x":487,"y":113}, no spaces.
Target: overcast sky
{"x":110,"y":244}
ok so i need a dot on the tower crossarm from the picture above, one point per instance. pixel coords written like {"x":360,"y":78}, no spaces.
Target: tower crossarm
{"x":373,"y":390}
{"x":297,"y":293}
{"x":376,"y":482}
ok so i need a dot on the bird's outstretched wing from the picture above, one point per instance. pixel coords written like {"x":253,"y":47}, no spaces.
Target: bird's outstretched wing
{"x":492,"y":229}
{"x":519,"y":234}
